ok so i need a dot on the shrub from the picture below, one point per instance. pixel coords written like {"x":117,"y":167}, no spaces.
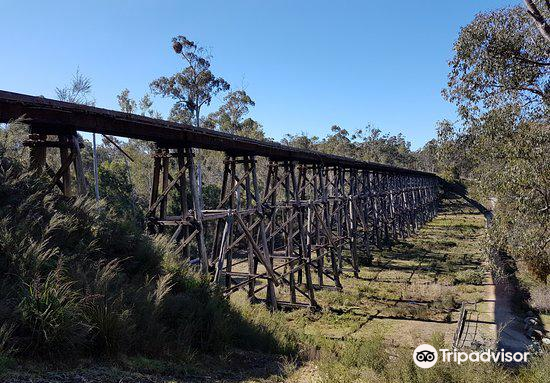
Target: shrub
{"x":540,"y":298}
{"x":6,"y":362}
{"x":6,"y":334}
{"x":76,"y":280}
{"x":50,"y":311}
{"x":369,"y":352}
{"x":471,"y":277}
{"x":105,"y":310}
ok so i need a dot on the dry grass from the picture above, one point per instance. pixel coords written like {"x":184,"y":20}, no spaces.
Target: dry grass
{"x":363,"y":334}
{"x":425,"y":277}
{"x":540,"y":299}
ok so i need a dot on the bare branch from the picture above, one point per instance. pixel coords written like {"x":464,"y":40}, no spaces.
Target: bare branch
{"x":537,"y":17}
{"x":529,"y":61}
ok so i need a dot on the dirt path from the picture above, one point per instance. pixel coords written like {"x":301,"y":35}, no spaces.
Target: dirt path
{"x":498,"y":311}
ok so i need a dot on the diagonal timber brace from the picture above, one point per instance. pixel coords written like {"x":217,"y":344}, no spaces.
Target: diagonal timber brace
{"x":281,"y":229}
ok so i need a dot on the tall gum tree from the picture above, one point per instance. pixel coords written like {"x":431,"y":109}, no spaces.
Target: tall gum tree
{"x":230,"y":117}
{"x":195,"y":85}
{"x":500,"y":81}
{"x":500,"y":58}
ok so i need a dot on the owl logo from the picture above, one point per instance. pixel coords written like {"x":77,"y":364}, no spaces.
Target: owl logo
{"x":425,"y":356}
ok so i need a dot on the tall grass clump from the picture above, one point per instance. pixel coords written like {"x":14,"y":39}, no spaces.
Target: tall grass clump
{"x":369,"y":353}
{"x":353,"y":360}
{"x":78,"y":280}
{"x":50,"y":316}
{"x":266,"y":330}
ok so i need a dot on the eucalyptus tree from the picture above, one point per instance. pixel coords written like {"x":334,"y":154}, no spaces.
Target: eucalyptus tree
{"x":500,"y":81}
{"x":230,"y":116}
{"x":426,"y":157}
{"x":384,"y":148}
{"x":195,"y":85}
{"x":125,"y":102}
{"x":374,"y":146}
{"x":129,"y":105}
{"x":339,"y":142}
{"x":500,"y":58}
{"x":301,"y":140}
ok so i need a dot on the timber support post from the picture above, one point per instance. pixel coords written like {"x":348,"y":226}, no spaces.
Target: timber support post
{"x":311,"y":220}
{"x":173,"y":171}
{"x":69,"y":154}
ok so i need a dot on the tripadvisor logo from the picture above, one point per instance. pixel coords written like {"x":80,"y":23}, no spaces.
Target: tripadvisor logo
{"x":426,"y":356}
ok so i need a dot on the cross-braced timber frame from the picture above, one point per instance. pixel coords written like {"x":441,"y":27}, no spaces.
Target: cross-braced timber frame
{"x":310,"y":220}
{"x":69,"y":155}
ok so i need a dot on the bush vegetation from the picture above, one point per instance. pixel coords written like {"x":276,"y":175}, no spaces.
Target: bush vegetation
{"x":499,"y":148}
{"x":80,"y":278}
{"x":77,"y":281}
{"x":369,"y":360}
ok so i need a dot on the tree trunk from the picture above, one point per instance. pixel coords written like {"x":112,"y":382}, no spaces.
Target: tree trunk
{"x":538,"y":18}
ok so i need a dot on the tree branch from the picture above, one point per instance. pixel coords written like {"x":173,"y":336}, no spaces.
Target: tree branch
{"x":539,"y":20}
{"x":536,"y":91}
{"x":528,"y":60}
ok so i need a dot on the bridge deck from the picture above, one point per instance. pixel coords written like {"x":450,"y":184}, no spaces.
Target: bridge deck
{"x":53,"y":116}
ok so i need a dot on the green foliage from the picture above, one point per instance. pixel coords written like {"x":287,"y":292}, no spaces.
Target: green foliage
{"x":500,"y":57}
{"x":78,"y":91}
{"x":129,"y":105}
{"x":386,"y":149}
{"x":374,"y":147}
{"x":6,"y":363}
{"x":515,"y":174}
{"x":6,"y":334}
{"x":472,"y":277}
{"x":499,"y":80}
{"x":230,"y":117}
{"x":140,"y":170}
{"x":538,"y":370}
{"x":12,"y":137}
{"x":367,"y":360}
{"x":427,"y":155}
{"x":126,"y":103}
{"x":195,"y":85}
{"x":268,"y":331}
{"x":105,"y":311}
{"x":512,"y":168}
{"x":370,"y":353}
{"x":49,"y":312}
{"x":77,"y":280}
{"x":117,"y":189}
{"x":80,"y":278}
{"x":302,"y":141}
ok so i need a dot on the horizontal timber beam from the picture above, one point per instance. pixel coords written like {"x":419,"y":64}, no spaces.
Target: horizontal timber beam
{"x":58,"y":117}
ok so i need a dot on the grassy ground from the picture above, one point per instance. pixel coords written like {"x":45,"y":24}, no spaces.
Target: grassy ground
{"x":410,"y":295}
{"x":415,"y":288}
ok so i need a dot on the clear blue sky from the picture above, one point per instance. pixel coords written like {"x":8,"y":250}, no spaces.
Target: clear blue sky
{"x":307,"y":64}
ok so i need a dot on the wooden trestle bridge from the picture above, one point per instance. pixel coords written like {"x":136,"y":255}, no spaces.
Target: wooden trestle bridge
{"x":281,"y":238}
